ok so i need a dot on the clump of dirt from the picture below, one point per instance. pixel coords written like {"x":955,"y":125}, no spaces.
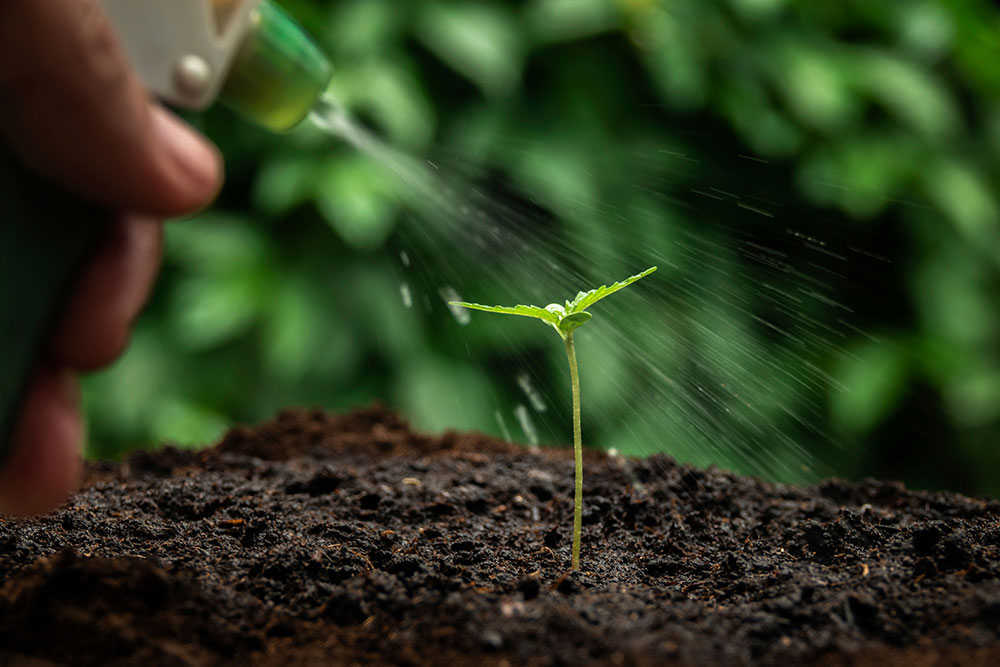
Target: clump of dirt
{"x":319,"y":538}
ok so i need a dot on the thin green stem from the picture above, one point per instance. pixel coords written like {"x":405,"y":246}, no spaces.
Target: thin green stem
{"x":574,"y":377}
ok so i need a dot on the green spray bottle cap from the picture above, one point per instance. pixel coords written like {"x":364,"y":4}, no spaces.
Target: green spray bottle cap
{"x":278,"y":74}
{"x":248,"y":53}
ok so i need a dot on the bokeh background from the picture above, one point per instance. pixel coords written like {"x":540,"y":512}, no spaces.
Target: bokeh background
{"x":817,"y":180}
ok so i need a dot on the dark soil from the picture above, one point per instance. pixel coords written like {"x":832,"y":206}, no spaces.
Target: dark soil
{"x":318,"y":539}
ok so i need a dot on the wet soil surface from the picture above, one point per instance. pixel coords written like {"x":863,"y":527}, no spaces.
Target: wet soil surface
{"x":320,"y":539}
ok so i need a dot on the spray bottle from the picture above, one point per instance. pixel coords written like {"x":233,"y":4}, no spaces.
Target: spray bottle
{"x":190,"y":53}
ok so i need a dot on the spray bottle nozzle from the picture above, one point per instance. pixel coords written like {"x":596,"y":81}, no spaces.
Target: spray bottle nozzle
{"x":278,"y":73}
{"x":249,"y":53}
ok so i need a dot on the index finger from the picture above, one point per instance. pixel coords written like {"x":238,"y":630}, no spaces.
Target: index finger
{"x":73,"y":108}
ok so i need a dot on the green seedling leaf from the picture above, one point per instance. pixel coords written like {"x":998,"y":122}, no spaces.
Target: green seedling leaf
{"x":585,"y":300}
{"x":524,"y":311}
{"x":573,"y":321}
{"x":566,"y":320}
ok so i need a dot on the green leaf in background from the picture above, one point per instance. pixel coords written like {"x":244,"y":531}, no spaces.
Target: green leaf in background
{"x":480,"y":40}
{"x":217,"y":243}
{"x":993,"y":127}
{"x":561,"y":177}
{"x":478,"y":132}
{"x":121,"y":399}
{"x":915,"y":96}
{"x":290,"y":332}
{"x":207,"y":311}
{"x":356,"y":196}
{"x":861,"y":175}
{"x":758,"y":9}
{"x":284,"y":183}
{"x":749,"y":108}
{"x":362,"y":28}
{"x":926,"y":28}
{"x":670,"y":51}
{"x":974,"y":398}
{"x":950,"y":305}
{"x":224,"y":281}
{"x":961,"y":192}
{"x":815,"y":84}
{"x":184,"y":423}
{"x":872,"y":378}
{"x":564,"y":20}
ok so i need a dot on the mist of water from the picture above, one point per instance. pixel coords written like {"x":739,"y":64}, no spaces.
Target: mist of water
{"x":527,"y":424}
{"x":528,"y":387}
{"x":406,"y":295}
{"x":723,"y":396}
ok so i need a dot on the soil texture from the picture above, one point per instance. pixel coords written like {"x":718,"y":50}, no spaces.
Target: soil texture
{"x":325,"y":539}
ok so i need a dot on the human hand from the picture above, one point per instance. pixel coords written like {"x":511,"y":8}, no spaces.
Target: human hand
{"x":73,"y":110}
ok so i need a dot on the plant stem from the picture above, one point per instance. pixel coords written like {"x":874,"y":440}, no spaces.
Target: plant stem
{"x":574,"y":377}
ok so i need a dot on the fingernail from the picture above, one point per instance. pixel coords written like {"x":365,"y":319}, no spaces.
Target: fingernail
{"x":197,"y":159}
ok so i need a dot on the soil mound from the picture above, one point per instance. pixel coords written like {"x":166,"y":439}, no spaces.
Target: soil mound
{"x":317,"y":539}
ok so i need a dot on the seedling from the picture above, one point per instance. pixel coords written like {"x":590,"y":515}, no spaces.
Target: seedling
{"x":566,"y":319}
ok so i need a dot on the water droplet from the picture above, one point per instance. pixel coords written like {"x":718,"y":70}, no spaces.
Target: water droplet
{"x":404,"y":292}
{"x":404,"y":258}
{"x":461,"y":315}
{"x":527,"y":425}
{"x":524,"y":382}
{"x":502,"y":423}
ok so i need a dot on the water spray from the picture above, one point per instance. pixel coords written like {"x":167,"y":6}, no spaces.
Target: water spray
{"x":247,"y":54}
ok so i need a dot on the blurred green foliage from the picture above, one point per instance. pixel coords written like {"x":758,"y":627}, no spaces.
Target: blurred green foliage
{"x":855,"y":143}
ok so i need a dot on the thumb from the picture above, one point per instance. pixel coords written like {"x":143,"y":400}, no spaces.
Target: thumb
{"x":72,"y":107}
